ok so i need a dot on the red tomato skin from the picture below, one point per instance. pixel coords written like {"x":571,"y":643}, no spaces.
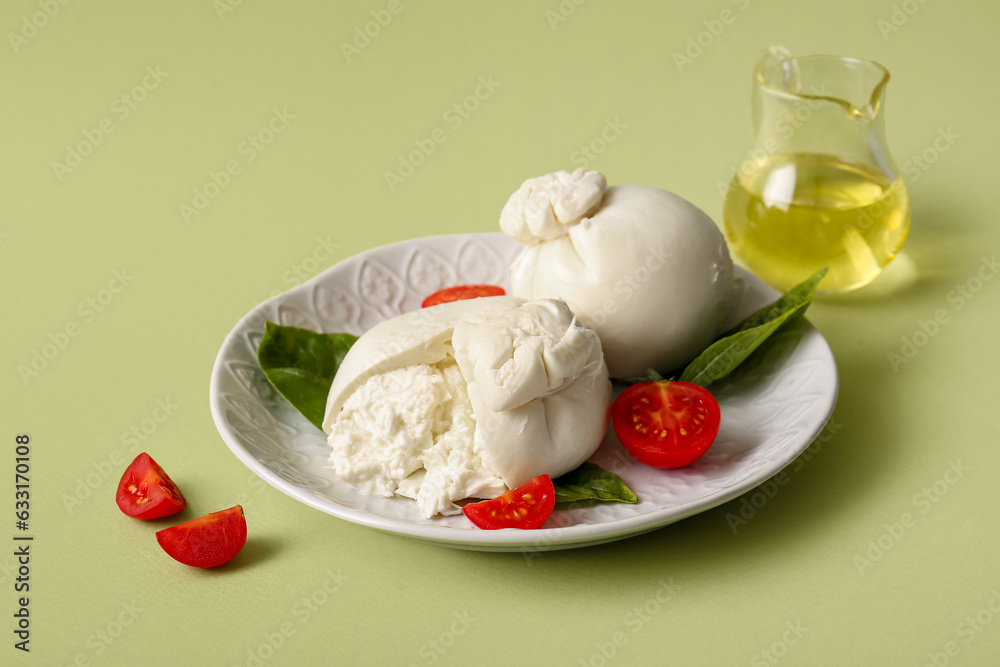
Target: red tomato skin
{"x":462,"y":292}
{"x":658,"y":407}
{"x":147,"y":492}
{"x":536,"y":497}
{"x":207,"y":541}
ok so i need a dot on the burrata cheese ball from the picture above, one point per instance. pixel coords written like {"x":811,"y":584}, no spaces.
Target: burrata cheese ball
{"x":644,"y":268}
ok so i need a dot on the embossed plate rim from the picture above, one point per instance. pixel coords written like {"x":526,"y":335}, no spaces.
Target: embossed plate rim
{"x":564,"y":537}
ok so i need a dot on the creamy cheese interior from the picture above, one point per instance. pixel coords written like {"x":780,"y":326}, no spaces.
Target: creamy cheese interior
{"x":411,"y":431}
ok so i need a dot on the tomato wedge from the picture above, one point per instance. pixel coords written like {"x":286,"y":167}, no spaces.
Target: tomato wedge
{"x":207,"y":541}
{"x":146,"y":492}
{"x":460,"y":292}
{"x":666,"y":424}
{"x":526,"y":507}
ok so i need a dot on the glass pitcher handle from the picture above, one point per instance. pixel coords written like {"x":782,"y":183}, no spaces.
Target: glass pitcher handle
{"x":782,"y":57}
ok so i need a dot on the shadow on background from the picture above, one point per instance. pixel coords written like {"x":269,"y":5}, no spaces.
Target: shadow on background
{"x":937,"y":253}
{"x":256,"y":552}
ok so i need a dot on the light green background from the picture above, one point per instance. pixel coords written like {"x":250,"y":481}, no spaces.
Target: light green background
{"x":321,"y":181}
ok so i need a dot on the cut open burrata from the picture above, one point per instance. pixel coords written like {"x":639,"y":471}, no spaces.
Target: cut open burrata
{"x":467,"y":399}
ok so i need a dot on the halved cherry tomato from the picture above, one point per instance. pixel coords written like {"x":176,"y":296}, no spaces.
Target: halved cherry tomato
{"x":526,"y":507}
{"x":207,"y":541}
{"x":666,"y":424}
{"x":460,"y":292}
{"x":146,"y":492}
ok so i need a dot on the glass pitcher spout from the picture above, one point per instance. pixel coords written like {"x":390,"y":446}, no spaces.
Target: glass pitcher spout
{"x":818,"y":185}
{"x":856,"y":85}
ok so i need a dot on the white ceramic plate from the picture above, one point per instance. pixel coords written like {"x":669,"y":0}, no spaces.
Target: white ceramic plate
{"x":772,"y":408}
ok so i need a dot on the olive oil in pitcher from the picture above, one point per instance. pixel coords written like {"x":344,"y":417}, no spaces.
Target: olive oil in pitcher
{"x":819,"y":186}
{"x":787,"y":214}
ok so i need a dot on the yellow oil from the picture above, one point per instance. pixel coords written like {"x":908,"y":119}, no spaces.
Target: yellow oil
{"x":790,"y":214}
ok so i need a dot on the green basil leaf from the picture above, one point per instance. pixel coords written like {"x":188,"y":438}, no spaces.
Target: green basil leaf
{"x":723,"y":356}
{"x":650,"y":376}
{"x":301,"y":365}
{"x":803,"y":292}
{"x":592,"y":482}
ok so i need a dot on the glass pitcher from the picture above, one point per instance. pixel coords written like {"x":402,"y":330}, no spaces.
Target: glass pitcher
{"x":818,"y":186}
